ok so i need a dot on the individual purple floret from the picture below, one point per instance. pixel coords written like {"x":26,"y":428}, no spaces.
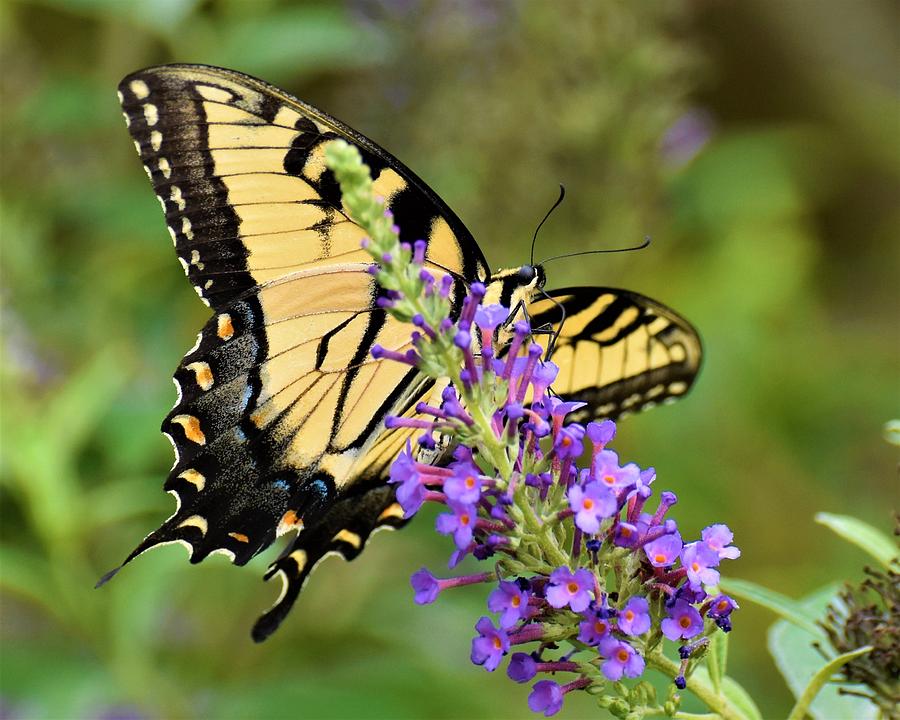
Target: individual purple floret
{"x":611,"y":475}
{"x":591,"y":504}
{"x":718,"y":538}
{"x":567,"y":442}
{"x":634,"y":618}
{"x":522,"y":667}
{"x":720,"y":609}
{"x":464,"y":486}
{"x":601,"y":433}
{"x":460,"y":523}
{"x":664,"y":551}
{"x":542,"y":377}
{"x":570,"y":589}
{"x":699,"y":560}
{"x":490,"y":316}
{"x":558,"y":409}
{"x":510,"y":600}
{"x":642,"y":484}
{"x":683,"y":622}
{"x":410,"y":490}
{"x":621,"y":659}
{"x":490,"y":646}
{"x":594,"y":628}
{"x":427,"y":587}
{"x":546,"y":697}
{"x":626,"y":534}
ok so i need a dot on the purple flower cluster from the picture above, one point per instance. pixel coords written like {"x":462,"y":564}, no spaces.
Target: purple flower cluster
{"x":532,"y":505}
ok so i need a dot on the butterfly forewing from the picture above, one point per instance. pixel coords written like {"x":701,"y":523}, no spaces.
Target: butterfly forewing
{"x":238,"y":166}
{"x":281,"y":407}
{"x":618,"y":351}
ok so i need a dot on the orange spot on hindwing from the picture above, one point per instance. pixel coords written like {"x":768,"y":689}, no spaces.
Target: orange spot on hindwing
{"x":191,"y":427}
{"x":194,"y":477}
{"x":224,"y":327}
{"x":289,"y":521}
{"x":202,"y":373}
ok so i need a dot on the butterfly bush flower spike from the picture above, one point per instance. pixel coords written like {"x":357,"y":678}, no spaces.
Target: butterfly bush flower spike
{"x":589,"y":581}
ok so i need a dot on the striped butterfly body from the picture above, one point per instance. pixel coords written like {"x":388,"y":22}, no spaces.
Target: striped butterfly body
{"x":279,"y":423}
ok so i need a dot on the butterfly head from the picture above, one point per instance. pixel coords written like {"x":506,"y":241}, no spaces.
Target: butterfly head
{"x":531,"y":277}
{"x":515,"y":288}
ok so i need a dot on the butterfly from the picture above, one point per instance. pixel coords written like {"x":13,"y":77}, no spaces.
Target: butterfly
{"x":279,"y":422}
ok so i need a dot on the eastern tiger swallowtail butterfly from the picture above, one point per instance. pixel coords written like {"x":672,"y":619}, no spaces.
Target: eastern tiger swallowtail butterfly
{"x":279,"y":421}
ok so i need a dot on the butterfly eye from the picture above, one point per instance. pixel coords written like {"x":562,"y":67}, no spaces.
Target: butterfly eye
{"x":527,"y":273}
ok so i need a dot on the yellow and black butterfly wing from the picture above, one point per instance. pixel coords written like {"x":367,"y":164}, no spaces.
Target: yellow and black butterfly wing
{"x":280,"y":408}
{"x":616,"y":350}
{"x":238,"y":166}
{"x":342,"y":530}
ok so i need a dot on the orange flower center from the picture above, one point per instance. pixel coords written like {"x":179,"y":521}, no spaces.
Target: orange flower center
{"x":587,"y":504}
{"x":609,"y":480}
{"x":626,"y":532}
{"x":516,"y":601}
{"x":599,"y":627}
{"x":464,"y":519}
{"x":622,"y":655}
{"x":497,"y":644}
{"x":566,"y":441}
{"x":722,"y":605}
{"x":629,"y":615}
{"x":695,"y":566}
{"x":684,"y":621}
{"x":470,"y":482}
{"x":573,"y":587}
{"x":659,"y":557}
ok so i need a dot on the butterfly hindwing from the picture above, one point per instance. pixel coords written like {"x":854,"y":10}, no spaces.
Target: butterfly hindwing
{"x":617,"y":350}
{"x":281,"y":407}
{"x":343,"y":530}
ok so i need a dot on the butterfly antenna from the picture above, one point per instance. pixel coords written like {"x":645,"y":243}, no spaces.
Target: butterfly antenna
{"x":595,"y":252}
{"x":562,"y":195}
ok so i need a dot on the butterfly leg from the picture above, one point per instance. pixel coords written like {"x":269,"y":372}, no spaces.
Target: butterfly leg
{"x":547,"y":329}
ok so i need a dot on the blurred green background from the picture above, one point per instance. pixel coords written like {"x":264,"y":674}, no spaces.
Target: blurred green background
{"x":757,"y":142}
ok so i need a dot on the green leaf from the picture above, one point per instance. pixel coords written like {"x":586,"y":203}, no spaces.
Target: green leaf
{"x":740,"y":699}
{"x":717,"y":659}
{"x":820,"y":678}
{"x":779,"y":604}
{"x":861,"y":534}
{"x":798,"y":661}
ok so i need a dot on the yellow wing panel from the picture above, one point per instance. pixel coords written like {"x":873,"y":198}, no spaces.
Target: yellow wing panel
{"x":617,"y":350}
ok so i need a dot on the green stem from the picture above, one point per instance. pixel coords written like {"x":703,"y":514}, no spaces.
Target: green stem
{"x":537,"y":530}
{"x":819,"y":680}
{"x":701,"y":688}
